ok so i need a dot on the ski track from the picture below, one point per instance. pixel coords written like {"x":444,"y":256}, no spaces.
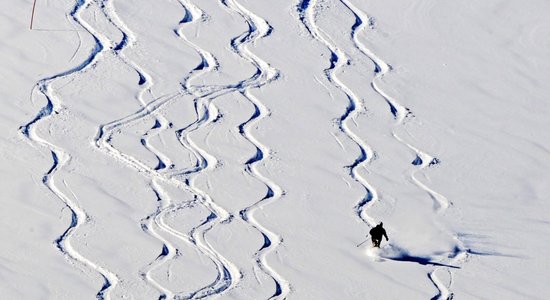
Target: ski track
{"x":226,"y":271}
{"x":146,"y":83}
{"x":422,"y":160}
{"x":207,"y":113}
{"x":400,"y":113}
{"x":150,"y":225}
{"x":61,"y":158}
{"x":259,"y":28}
{"x":338,"y":59}
{"x":228,"y":274}
{"x":443,"y":290}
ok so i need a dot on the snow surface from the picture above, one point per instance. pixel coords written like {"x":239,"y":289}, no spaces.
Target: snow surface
{"x":242,"y":149}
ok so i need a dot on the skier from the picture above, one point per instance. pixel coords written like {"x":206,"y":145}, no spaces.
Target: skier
{"x":376,"y":234}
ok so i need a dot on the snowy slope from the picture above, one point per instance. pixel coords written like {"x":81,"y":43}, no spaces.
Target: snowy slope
{"x":240,"y":149}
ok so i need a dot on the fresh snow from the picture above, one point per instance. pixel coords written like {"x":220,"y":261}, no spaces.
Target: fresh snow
{"x":241,"y":149}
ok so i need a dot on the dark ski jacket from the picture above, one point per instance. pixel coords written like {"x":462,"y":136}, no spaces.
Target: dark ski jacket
{"x":377,"y":232}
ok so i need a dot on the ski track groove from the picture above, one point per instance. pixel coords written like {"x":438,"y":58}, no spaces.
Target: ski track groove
{"x":151,"y":224}
{"x":146,"y":83}
{"x":338,"y":59}
{"x":206,"y":114}
{"x":61,"y":158}
{"x":178,"y":179}
{"x":443,"y":291}
{"x":259,"y":28}
{"x":422,"y":160}
{"x":228,"y":274}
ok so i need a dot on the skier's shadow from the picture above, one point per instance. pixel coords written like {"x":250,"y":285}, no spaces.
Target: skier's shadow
{"x":420,"y":260}
{"x":398,"y":254}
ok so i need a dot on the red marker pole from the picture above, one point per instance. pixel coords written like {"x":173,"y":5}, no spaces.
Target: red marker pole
{"x":32,"y":15}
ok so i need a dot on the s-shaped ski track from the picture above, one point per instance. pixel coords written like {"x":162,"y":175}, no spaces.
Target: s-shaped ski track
{"x":259,"y":28}
{"x":61,"y":157}
{"x":226,"y":271}
{"x":400,"y":113}
{"x":338,"y":59}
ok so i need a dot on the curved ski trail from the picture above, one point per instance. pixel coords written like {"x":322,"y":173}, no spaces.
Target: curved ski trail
{"x":400,"y":113}
{"x":102,"y":141}
{"x":228,"y":273}
{"x":61,"y":157}
{"x":207,"y":113}
{"x":150,"y":224}
{"x":259,"y":28}
{"x":338,"y":58}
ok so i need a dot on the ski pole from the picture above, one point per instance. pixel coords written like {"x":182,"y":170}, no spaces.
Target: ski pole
{"x":362,"y":242}
{"x":32,"y":14}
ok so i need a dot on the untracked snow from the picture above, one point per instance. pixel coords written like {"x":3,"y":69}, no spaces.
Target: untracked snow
{"x":243,"y":149}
